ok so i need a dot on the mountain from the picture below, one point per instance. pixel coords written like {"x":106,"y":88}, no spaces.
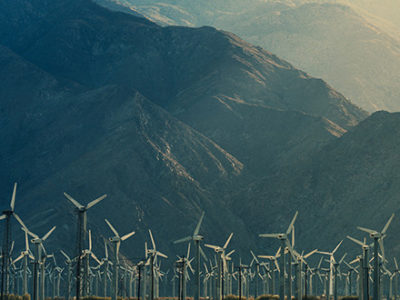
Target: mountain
{"x":168,"y":121}
{"x":349,"y":47}
{"x":351,"y":182}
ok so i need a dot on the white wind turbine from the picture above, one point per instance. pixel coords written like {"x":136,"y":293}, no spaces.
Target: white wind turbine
{"x":25,"y":255}
{"x":86,"y":254}
{"x":196,"y":238}
{"x":284,"y":238}
{"x":39,"y":259}
{"x":331,"y":266}
{"x":7,"y":214}
{"x":116,"y":241}
{"x":274,"y":259}
{"x":378,"y":241}
{"x":153,"y":257}
{"x":220,"y":254}
{"x":68,"y":262}
{"x":81,"y":211}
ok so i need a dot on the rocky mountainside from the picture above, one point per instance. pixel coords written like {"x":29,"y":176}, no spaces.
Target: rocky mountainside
{"x":354,"y":50}
{"x":351,"y":182}
{"x":168,"y":121}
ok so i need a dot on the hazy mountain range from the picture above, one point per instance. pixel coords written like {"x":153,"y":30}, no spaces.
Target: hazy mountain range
{"x":170,"y":121}
{"x":354,"y":45}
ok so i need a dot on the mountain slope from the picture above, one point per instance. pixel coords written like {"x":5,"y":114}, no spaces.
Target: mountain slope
{"x":356,"y":52}
{"x":352,"y":181}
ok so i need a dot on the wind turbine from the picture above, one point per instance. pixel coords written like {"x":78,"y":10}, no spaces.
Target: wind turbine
{"x":105,"y":261}
{"x":257,"y":271}
{"x":116,"y":241}
{"x":38,"y":260}
{"x":273,"y":258}
{"x":196,"y":238}
{"x":378,"y":240}
{"x":25,"y":255}
{"x":365,"y":268}
{"x":331,"y":266}
{"x":68,"y":262}
{"x":351,"y":269}
{"x":220,"y":253}
{"x":284,"y":238}
{"x":81,"y":211}
{"x":299,"y":263}
{"x":153,"y":256}
{"x":86,"y":254}
{"x":6,"y":242}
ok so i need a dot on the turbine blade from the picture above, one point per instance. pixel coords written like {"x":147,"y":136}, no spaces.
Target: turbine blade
{"x":48,"y":234}
{"x":269,"y":235}
{"x":293,"y":237}
{"x":43,"y":249}
{"x":341,"y":260}
{"x":112,"y":228}
{"x":128,"y":235}
{"x":276,"y":265}
{"x":152,"y":240}
{"x":278,"y":252}
{"x":337,"y":247}
{"x":212,"y":246}
{"x":90,"y":240}
{"x":65,"y":255}
{"x":161,"y":254}
{"x":266,"y":256}
{"x":118,"y":245}
{"x":255,"y":258}
{"x":310,"y":253}
{"x":94,"y":202}
{"x":293,"y":252}
{"x":380,"y":242}
{"x":12,"y":247}
{"x":292,"y":223}
{"x":370,"y":231}
{"x":205,"y":266}
{"x":182,"y":240}
{"x":395,"y":263}
{"x":74,"y":202}
{"x":197,"y":229}
{"x":230,"y":253}
{"x":354,"y":260}
{"x":30,"y":233}
{"x":203,"y":254}
{"x":18,"y":259}
{"x":105,"y":248}
{"x":228,"y":240}
{"x":2,"y":217}
{"x":12,"y":204}
{"x":95,"y":257}
{"x":20,"y":221}
{"x":188,"y":251}
{"x":355,"y":240}
{"x":320,"y":262}
{"x":387,"y":224}
{"x":26,"y":242}
{"x":190,"y":265}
